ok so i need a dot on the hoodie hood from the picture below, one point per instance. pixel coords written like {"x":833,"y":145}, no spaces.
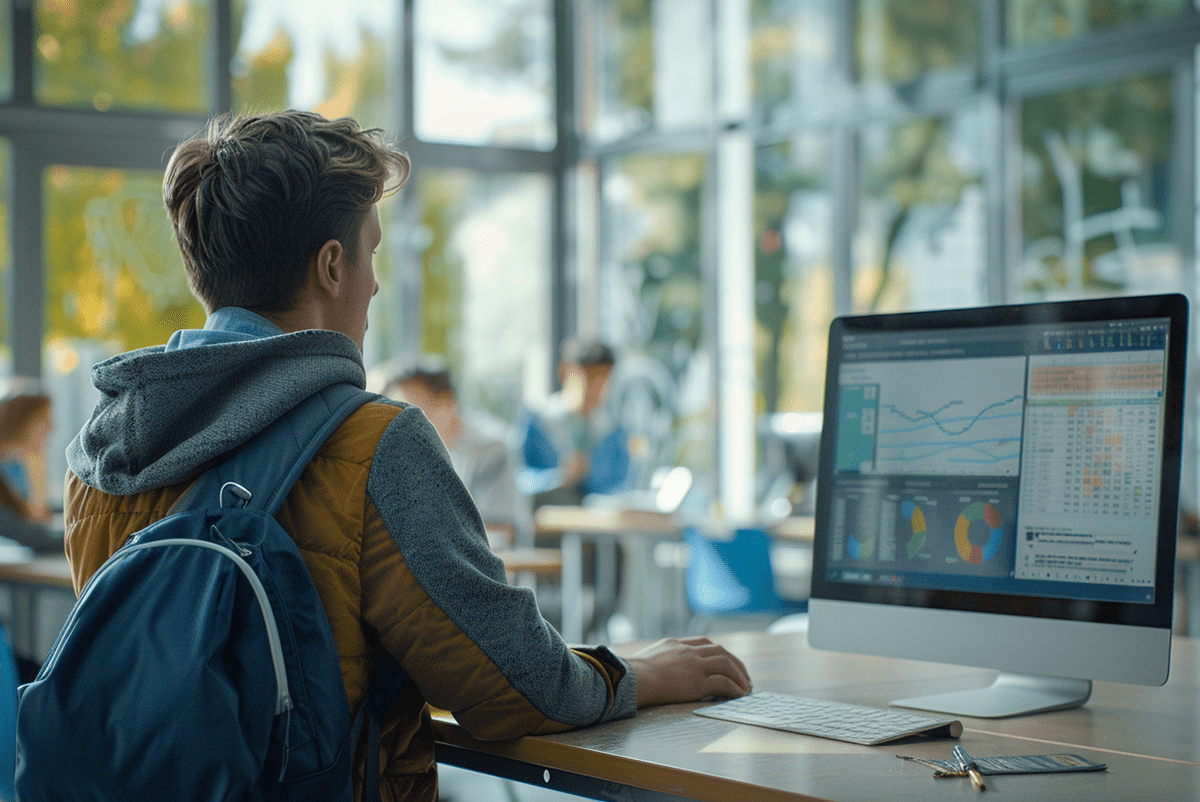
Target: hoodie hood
{"x":166,"y":412}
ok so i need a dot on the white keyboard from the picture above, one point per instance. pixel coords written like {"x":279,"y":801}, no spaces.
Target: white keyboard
{"x":827,"y":719}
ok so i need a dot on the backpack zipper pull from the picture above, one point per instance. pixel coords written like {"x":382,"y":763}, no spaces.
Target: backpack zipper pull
{"x":239,"y":493}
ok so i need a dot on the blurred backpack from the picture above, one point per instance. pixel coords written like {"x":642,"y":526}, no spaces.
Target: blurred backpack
{"x":198,"y":662}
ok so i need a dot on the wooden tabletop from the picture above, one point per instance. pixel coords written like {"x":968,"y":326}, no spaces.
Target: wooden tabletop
{"x":1149,"y":737}
{"x":552,"y":518}
{"x":532,"y":560}
{"x":794,"y":527}
{"x":45,"y":571}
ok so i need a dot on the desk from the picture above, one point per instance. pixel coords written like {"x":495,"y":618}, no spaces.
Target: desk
{"x":1149,"y":737}
{"x":795,"y":527}
{"x":40,"y":589}
{"x":541,"y":562}
{"x":636,"y":529}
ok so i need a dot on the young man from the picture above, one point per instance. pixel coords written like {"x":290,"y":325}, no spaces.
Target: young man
{"x":572,"y":446}
{"x":275,"y":215}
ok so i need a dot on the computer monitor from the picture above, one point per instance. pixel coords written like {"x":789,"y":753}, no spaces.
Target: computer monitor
{"x":998,"y":488}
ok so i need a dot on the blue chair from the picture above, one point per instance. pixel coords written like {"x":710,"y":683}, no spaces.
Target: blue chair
{"x":733,"y":578}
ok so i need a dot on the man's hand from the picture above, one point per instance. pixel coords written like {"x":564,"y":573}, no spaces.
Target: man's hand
{"x":686,"y":669}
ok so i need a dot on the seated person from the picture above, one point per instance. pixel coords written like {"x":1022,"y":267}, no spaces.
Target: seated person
{"x":477,"y":444}
{"x":572,"y":446}
{"x":25,"y":423}
{"x":276,"y":218}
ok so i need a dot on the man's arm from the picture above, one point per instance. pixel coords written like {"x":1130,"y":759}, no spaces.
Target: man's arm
{"x":440,"y":601}
{"x":477,"y":646}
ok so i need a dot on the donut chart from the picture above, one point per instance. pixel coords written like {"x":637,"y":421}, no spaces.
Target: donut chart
{"x":969,"y":551}
{"x":912,"y":513}
{"x":859,"y":549}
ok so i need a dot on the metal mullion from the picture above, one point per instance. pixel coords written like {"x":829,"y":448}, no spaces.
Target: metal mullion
{"x":220,"y":93}
{"x":95,"y":131}
{"x":1184,"y":203}
{"x":405,"y":109}
{"x":691,"y":140}
{"x":406,"y":223}
{"x":1184,"y":161}
{"x":845,"y":185}
{"x":1151,"y":46}
{"x":26,"y":290}
{"x":1149,"y":34}
{"x":22,"y":51}
{"x":564,"y":294}
{"x":482,"y":159}
{"x":994,"y":187}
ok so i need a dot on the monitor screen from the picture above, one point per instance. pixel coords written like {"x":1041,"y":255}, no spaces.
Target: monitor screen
{"x":998,"y":487}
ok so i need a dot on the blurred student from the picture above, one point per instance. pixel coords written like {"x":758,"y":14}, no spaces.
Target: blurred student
{"x":25,"y":424}
{"x":478,"y":446}
{"x":573,"y":446}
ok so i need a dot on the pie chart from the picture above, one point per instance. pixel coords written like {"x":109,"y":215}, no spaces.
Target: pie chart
{"x":912,"y":513}
{"x":971,"y":552}
{"x":859,"y":549}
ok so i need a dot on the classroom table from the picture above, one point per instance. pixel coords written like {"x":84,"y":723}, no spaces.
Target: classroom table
{"x":41,"y":596}
{"x":1148,"y":736}
{"x":638,"y":531}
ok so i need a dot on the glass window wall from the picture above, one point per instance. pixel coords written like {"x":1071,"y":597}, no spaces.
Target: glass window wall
{"x":906,"y":155}
{"x":921,"y":240}
{"x":333,"y":59}
{"x":1037,"y":22}
{"x":112,"y":54}
{"x":654,"y":67}
{"x":793,"y":57}
{"x":485,"y":282}
{"x":793,"y":283}
{"x":114,"y":273}
{"x":1097,"y":180}
{"x":484,"y":72}
{"x":897,"y":41}
{"x":652,"y":309}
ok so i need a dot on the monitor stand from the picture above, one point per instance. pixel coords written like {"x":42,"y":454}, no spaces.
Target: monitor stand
{"x":1009,"y":695}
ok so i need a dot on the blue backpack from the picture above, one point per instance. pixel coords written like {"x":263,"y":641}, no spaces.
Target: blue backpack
{"x":198,"y":662}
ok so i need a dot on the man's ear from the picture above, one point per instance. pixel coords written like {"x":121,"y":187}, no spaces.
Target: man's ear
{"x":330,"y":264}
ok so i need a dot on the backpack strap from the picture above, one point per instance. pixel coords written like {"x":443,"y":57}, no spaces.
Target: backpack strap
{"x":270,"y":463}
{"x":260,"y":473}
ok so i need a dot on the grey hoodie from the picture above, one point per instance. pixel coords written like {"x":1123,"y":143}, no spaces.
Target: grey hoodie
{"x":166,"y":411}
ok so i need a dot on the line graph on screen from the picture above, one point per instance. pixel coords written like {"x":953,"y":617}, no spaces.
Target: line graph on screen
{"x":972,"y":427}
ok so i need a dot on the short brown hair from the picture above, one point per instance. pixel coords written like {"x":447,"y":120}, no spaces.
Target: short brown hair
{"x":253,"y":198}
{"x":20,"y":412}
{"x":430,"y":372}
{"x":587,"y":353}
